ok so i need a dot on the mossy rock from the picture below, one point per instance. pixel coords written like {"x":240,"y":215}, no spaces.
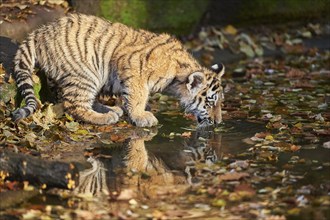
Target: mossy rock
{"x":173,"y":16}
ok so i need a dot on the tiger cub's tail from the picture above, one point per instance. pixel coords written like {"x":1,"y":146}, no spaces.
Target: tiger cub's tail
{"x":24,"y":63}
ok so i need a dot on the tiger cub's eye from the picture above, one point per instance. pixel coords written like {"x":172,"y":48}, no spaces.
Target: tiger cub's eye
{"x":210,"y":103}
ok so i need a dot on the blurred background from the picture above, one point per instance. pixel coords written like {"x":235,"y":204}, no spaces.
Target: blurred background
{"x":180,"y":17}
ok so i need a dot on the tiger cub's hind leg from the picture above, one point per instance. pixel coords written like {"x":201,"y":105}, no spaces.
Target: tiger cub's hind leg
{"x":85,"y":112}
{"x":80,"y":107}
{"x":105,"y":109}
{"x":54,"y":90}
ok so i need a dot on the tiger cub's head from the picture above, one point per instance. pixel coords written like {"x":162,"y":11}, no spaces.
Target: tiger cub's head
{"x":202,"y":95}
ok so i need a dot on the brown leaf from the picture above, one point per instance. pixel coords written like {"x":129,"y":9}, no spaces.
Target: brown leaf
{"x":325,"y":132}
{"x":117,"y":138}
{"x":189,"y":116}
{"x":287,"y":146}
{"x":14,"y":185}
{"x":303,"y":84}
{"x":294,"y":49}
{"x":124,"y":125}
{"x":294,"y":147}
{"x":186,"y":134}
{"x":176,"y":213}
{"x":275,"y":217}
{"x":158,"y":214}
{"x":262,"y":134}
{"x":105,"y":128}
{"x":238,"y":114}
{"x":245,"y":187}
{"x":233,"y":176}
{"x":295,"y":73}
{"x":278,"y":40}
{"x":126,"y":194}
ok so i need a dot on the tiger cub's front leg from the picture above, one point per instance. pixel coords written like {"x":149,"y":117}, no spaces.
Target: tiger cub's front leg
{"x":136,"y":96}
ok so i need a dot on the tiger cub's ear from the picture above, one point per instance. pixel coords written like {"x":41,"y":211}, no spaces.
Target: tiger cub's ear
{"x":219,"y":69}
{"x":195,"y":82}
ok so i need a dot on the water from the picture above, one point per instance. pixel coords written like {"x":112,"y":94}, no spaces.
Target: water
{"x":154,"y":150}
{"x":161,"y":159}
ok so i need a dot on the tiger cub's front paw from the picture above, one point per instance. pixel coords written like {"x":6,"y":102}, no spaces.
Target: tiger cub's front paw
{"x":144,"y":119}
{"x":110,"y":118}
{"x":117,"y":110}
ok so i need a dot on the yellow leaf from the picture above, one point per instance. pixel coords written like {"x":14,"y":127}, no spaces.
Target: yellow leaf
{"x":27,"y":187}
{"x":298,"y":125}
{"x":269,"y":138}
{"x":69,"y":117}
{"x":82,"y":132}
{"x":219,"y":203}
{"x":230,"y":29}
{"x":294,"y":211}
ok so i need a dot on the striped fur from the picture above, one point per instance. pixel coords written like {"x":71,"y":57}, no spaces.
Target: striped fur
{"x":86,"y":56}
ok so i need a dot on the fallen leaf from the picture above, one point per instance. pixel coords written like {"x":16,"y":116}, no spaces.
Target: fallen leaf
{"x":72,"y":126}
{"x":126,"y":194}
{"x":233,"y":176}
{"x":218,"y":203}
{"x":239,"y":164}
{"x":275,"y":217}
{"x":105,"y":128}
{"x":326,"y":145}
{"x":230,"y":29}
{"x":294,"y":148}
{"x":186,"y":134}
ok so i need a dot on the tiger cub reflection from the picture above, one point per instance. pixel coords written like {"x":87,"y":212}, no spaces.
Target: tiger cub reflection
{"x":108,"y":174}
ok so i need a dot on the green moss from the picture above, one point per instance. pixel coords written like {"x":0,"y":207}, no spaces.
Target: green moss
{"x":129,"y":12}
{"x":174,"y":16}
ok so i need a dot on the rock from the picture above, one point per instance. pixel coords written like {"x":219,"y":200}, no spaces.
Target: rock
{"x":8,"y":48}
{"x":18,"y":29}
{"x":176,"y":17}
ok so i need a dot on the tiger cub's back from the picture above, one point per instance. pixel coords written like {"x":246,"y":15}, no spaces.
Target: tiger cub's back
{"x":75,"y":44}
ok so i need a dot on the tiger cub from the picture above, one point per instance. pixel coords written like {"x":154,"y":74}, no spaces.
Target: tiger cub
{"x":85,"y":56}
